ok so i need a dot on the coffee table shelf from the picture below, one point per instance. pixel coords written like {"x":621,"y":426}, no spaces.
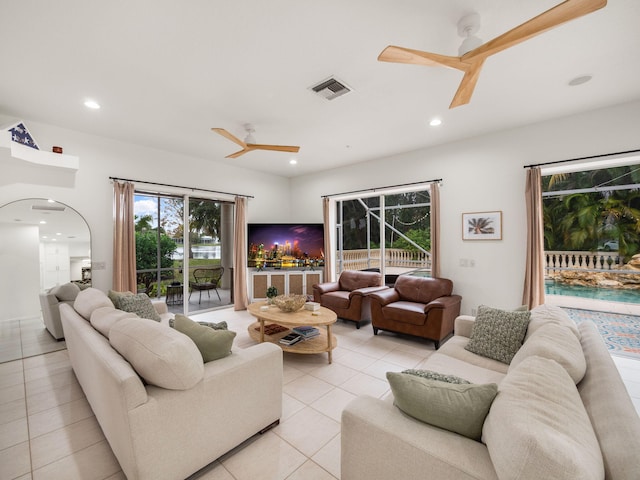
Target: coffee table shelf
{"x":325,"y":342}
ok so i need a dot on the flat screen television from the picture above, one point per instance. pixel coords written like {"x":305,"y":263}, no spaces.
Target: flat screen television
{"x":285,"y":245}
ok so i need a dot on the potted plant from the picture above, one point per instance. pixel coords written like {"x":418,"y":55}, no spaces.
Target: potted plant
{"x":272,"y":292}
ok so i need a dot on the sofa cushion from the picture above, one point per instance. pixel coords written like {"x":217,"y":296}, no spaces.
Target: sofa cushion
{"x":498,"y":334}
{"x":405,"y":312}
{"x":212,"y":344}
{"x":538,"y":427}
{"x":159,"y":354}
{"x":90,"y":299}
{"x":339,"y":299}
{"x":103,"y":318}
{"x":558,"y":343}
{"x":431,"y":375}
{"x":140,"y":304}
{"x":66,"y":292}
{"x":454,"y":407}
{"x":422,"y":289}
{"x":543,"y":314}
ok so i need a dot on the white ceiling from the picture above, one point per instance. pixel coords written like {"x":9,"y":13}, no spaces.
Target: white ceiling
{"x":165,"y":72}
{"x":61,"y":223}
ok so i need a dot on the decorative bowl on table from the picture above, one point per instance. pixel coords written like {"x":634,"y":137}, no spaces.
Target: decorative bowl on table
{"x":290,"y":303}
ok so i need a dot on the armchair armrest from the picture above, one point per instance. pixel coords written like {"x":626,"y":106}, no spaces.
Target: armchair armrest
{"x":385,"y":296}
{"x":367,"y":290}
{"x":443,"y":302}
{"x":464,"y":325}
{"x":327,"y":287}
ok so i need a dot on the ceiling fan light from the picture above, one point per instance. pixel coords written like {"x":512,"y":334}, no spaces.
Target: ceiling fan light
{"x":249,"y":138}
{"x":468,"y":44}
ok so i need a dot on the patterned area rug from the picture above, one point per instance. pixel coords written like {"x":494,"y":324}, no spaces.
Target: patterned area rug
{"x":620,"y":332}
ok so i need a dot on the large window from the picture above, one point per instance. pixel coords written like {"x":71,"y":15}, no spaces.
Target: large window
{"x":592,"y":232}
{"x":170,"y":256}
{"x":402,"y":220}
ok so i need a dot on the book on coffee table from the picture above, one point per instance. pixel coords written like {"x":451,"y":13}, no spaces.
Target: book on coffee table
{"x":291,"y":339}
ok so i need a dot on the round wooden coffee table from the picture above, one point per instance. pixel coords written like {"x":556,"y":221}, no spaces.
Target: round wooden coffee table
{"x":325,"y":342}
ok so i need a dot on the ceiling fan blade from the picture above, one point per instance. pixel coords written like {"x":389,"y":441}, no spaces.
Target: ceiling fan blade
{"x":467,"y":85}
{"x":238,"y":153}
{"x":275,"y":148}
{"x":562,"y":13}
{"x":417,"y":57}
{"x":229,"y":136}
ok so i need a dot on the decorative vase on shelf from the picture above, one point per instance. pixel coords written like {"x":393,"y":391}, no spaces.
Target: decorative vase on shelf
{"x":272,"y":292}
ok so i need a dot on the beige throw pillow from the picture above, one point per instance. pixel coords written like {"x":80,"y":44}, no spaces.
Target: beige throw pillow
{"x":90,"y":299}
{"x":162,"y":356}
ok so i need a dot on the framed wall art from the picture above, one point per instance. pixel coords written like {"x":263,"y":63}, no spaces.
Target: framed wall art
{"x":482,"y":226}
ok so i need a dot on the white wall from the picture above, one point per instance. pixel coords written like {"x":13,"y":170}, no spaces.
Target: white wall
{"x":481,"y":174}
{"x":19,"y":282}
{"x":89,"y":191}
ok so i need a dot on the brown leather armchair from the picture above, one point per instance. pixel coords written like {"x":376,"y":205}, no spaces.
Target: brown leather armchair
{"x":348,"y":297}
{"x":419,"y":306}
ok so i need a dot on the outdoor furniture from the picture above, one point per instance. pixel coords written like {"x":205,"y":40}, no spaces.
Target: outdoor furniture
{"x":419,"y":306}
{"x":348,"y":297}
{"x":206,"y":279}
{"x":174,"y":294}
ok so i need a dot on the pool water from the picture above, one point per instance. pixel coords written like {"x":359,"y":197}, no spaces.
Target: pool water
{"x":607,"y":294}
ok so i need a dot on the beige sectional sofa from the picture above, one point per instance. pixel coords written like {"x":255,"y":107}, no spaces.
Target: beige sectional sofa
{"x":561,"y":412}
{"x":172,"y":415}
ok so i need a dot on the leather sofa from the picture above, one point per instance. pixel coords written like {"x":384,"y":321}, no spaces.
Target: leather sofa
{"x":420,"y":306}
{"x":348,"y":297}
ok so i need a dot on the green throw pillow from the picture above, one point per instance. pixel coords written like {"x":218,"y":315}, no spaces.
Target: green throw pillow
{"x":441,"y":377}
{"x":139,"y":304}
{"x":216,"y":326}
{"x":459,"y":408}
{"x":213,"y":344}
{"x":498,"y":334}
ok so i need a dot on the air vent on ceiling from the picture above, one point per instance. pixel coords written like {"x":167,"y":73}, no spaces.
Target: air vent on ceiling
{"x":50,"y":208}
{"x":331,"y":88}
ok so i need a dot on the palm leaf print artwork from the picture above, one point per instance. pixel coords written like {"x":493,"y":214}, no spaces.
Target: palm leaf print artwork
{"x":481,"y":226}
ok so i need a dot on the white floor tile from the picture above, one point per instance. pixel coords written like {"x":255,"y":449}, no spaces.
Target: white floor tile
{"x":333,"y":403}
{"x":310,"y":471}
{"x":307,"y":389}
{"x":308,"y":430}
{"x":329,"y":457}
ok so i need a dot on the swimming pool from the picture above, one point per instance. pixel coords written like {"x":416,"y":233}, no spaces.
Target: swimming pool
{"x":606,"y":294}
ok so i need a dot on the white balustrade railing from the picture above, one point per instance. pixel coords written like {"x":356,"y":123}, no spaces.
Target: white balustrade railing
{"x":592,"y":261}
{"x":394,"y":257}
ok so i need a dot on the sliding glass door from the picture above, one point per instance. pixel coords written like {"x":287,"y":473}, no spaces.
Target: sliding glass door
{"x":189,"y":268}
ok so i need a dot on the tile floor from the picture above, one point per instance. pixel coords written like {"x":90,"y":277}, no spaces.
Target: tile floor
{"x":26,"y":338}
{"x":47,"y":430}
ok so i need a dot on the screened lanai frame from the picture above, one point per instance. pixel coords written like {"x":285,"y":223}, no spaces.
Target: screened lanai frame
{"x":412,"y":257}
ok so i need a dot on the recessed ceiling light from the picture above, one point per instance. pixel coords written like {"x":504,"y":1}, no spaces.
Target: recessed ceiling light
{"x":293,"y":161}
{"x":42,"y":222}
{"x":92,"y":104}
{"x":435,"y":122}
{"x":51,"y":200}
{"x":58,"y":233}
{"x":574,"y":82}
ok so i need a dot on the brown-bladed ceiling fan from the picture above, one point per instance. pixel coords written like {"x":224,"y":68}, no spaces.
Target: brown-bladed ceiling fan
{"x":471,"y":62}
{"x":249,"y":143}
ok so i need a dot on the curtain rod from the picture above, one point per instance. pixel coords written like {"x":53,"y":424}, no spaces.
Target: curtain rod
{"x":581,"y":158}
{"x":382,"y":188}
{"x":180,"y":186}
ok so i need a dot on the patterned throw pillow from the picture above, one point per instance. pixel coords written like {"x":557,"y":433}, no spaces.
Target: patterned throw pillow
{"x":440,"y":377}
{"x":115,"y":297}
{"x":498,"y":334}
{"x":139,"y":304}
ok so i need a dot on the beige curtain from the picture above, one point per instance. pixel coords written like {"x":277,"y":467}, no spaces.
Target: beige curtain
{"x":534,"y":273}
{"x":328,"y":258}
{"x":435,"y":229}
{"x":240,"y":296}
{"x":124,"y":238}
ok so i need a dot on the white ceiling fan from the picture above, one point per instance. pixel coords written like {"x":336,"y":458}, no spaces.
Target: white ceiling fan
{"x":471,"y":61}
